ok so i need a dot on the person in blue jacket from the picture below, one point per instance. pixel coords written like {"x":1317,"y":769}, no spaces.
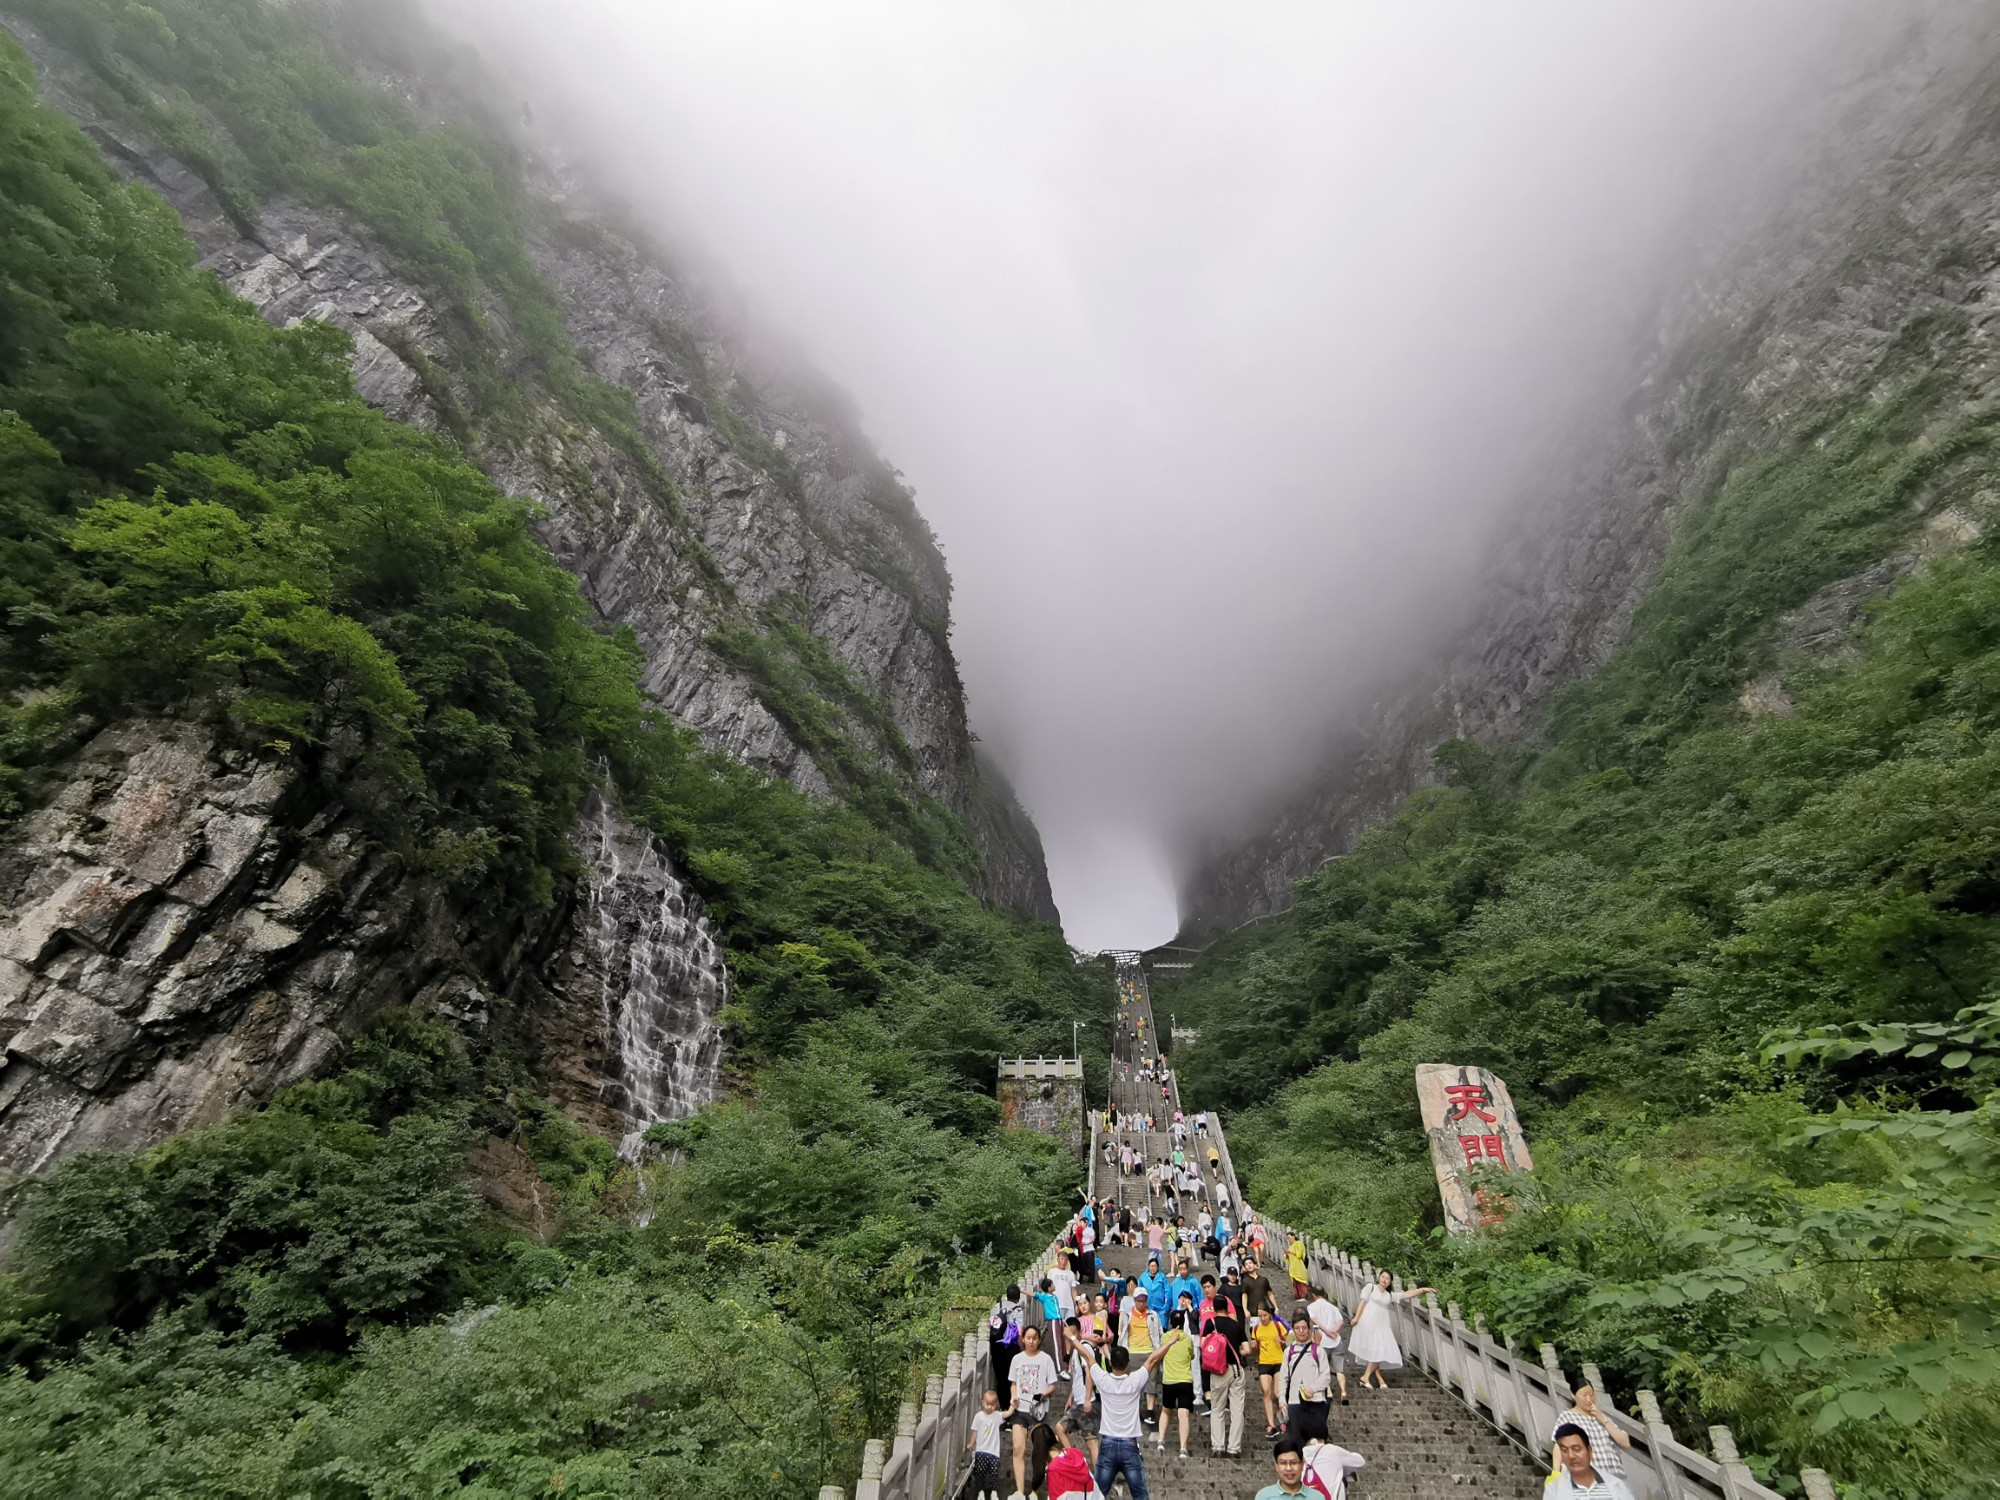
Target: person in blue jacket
{"x":1159,"y":1286}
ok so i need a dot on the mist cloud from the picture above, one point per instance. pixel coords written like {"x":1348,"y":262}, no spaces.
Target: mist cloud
{"x":1215,"y":339}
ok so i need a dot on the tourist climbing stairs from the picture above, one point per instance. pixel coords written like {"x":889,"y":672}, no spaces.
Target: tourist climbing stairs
{"x":1420,"y":1442}
{"x":1466,"y":1418}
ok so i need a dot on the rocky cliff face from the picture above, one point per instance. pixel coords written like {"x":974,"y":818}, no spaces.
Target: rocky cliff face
{"x":1885,"y":223}
{"x":183,"y":930}
{"x":748,"y":506}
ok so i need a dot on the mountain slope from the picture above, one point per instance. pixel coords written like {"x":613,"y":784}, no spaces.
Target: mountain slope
{"x":789,"y":599}
{"x":218,"y":886}
{"x":1870,"y":256}
{"x":1701,"y":858}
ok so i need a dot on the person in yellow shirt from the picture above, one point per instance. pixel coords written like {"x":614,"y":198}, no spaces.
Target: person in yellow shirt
{"x":1139,"y":1330}
{"x":1177,"y":1372}
{"x":1295,"y":1267}
{"x":1267,"y":1335}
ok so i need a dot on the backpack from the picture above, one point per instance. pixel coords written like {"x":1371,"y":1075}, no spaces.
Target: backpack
{"x":1215,"y":1354}
{"x":1325,"y":1473}
{"x":1069,"y":1474}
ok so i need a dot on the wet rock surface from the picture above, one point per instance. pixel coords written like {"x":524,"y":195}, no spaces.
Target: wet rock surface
{"x":186,"y":927}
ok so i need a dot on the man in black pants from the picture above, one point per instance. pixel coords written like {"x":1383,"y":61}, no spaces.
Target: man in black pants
{"x":1303,"y":1383}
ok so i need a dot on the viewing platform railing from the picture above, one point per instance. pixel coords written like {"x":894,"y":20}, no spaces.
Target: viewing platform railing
{"x":1041,"y":1067}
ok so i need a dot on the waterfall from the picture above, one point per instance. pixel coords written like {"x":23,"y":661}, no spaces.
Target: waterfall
{"x":660,"y":975}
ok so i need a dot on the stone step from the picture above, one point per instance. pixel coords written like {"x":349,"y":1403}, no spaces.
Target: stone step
{"x":1420,"y":1441}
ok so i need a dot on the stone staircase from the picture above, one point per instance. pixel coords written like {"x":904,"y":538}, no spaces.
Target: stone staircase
{"x":1421,"y":1443}
{"x":1449,"y":1425}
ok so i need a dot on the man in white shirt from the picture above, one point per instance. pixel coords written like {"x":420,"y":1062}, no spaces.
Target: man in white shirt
{"x":1329,"y":1322}
{"x":1120,"y":1391}
{"x":1576,"y":1479}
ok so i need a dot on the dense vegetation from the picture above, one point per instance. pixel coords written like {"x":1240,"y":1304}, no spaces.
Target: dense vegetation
{"x":198,"y":517}
{"x":1738,"y":972}
{"x":257,"y":101}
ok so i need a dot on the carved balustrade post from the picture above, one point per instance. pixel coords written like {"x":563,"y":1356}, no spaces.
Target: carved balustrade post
{"x":1736,"y":1475}
{"x":1559,"y":1387}
{"x":1517,"y":1377}
{"x":1661,"y":1437}
{"x":1466,"y":1378}
{"x":872,"y":1457}
{"x":905,"y":1447}
{"x":1595,"y":1380}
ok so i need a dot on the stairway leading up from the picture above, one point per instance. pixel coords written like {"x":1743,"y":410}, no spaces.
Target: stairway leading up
{"x":1421,"y":1443}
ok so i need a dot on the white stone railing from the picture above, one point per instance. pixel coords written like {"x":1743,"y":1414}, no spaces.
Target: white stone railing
{"x":926,"y":1459}
{"x":1521,"y":1398}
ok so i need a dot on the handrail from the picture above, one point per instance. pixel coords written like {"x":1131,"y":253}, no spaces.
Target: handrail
{"x":1521,"y":1399}
{"x":924,"y":1460}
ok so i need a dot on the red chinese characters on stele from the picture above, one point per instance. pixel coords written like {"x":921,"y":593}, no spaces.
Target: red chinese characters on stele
{"x":1481,"y":1149}
{"x":1468,"y":1101}
{"x":1475,"y":1136}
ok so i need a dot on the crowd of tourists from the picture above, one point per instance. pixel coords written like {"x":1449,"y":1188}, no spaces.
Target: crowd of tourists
{"x":1223,"y":1327}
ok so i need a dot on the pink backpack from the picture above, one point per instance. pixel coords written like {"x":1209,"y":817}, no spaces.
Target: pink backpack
{"x":1215,"y":1354}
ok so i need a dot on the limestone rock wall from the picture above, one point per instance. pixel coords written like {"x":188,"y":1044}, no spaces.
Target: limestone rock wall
{"x":1053,"y":1106}
{"x":773,"y":503}
{"x":1889,"y":217}
{"x":185,"y":928}
{"x":182,"y":930}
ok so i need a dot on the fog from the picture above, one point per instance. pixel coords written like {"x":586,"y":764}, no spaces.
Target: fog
{"x":1217,"y":340}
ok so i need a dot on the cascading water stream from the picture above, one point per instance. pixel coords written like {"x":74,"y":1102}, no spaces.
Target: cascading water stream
{"x":662,"y":981}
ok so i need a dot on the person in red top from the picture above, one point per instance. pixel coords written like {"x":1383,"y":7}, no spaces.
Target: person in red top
{"x":1069,"y":1470}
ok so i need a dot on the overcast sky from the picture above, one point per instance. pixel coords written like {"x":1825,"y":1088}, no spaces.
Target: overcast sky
{"x":1214,"y":337}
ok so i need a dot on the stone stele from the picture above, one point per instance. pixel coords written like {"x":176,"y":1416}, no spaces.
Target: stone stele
{"x":1475,"y":1140}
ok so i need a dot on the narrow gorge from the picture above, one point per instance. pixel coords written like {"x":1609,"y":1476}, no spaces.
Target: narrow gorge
{"x":510,"y":941}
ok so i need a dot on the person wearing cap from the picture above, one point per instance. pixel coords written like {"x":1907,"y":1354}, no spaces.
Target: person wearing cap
{"x":1257,"y":1291}
{"x":1139,"y":1330}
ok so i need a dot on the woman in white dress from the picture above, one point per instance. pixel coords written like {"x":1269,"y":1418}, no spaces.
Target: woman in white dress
{"x":1372,"y":1339}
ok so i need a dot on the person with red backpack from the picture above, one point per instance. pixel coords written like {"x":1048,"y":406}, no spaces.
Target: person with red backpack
{"x":1223,"y":1347}
{"x":1327,"y":1468}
